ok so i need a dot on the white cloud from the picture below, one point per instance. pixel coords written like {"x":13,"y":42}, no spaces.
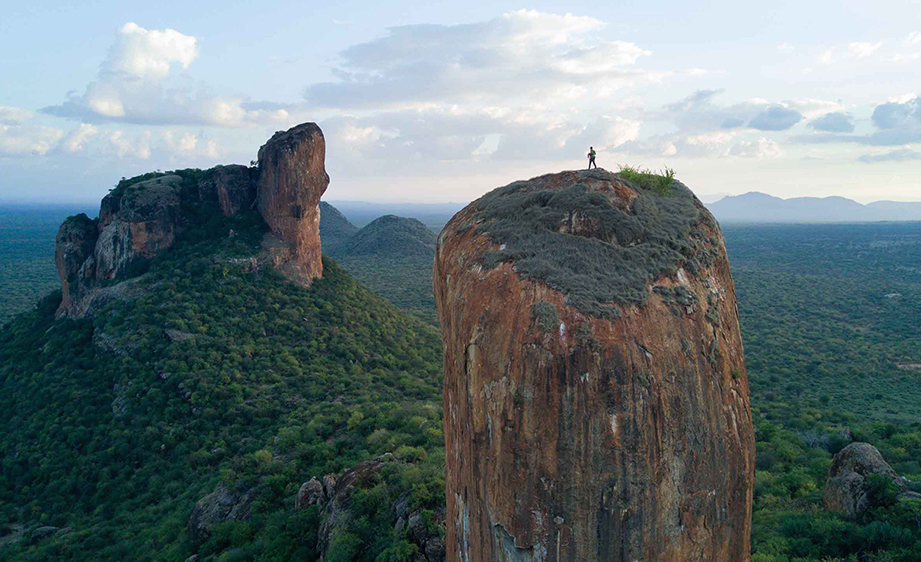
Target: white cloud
{"x":508,"y":61}
{"x":22,"y":140}
{"x":13,"y":115}
{"x":913,"y":38}
{"x":826,"y":57}
{"x":131,"y":87}
{"x":812,"y":108}
{"x":138,"y":148}
{"x":761,"y":148}
{"x":186,"y":143}
{"x":148,"y":54}
{"x":863,"y":49}
{"x":76,"y":139}
{"x":785,"y":48}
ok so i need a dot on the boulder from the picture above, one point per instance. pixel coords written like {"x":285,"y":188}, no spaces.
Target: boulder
{"x":336,"y":512}
{"x":292,"y":178}
{"x":847,"y":488}
{"x":219,"y":506}
{"x":596,"y":399}
{"x":311,"y":493}
{"x":41,"y":534}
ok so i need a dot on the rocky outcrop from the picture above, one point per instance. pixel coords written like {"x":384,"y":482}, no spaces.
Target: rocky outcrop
{"x":310,"y":493}
{"x":139,"y":220}
{"x":333,"y":496}
{"x":596,"y":401}
{"x":134,"y":225}
{"x":336,"y":511}
{"x":219,"y":506}
{"x":847,"y":490}
{"x":232,"y":188}
{"x":292,"y":178}
{"x":74,"y":245}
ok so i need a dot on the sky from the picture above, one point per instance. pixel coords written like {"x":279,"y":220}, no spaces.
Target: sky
{"x":432,"y":102}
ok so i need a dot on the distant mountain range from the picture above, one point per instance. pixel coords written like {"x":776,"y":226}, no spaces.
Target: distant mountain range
{"x":433,"y":215}
{"x":763,"y":208}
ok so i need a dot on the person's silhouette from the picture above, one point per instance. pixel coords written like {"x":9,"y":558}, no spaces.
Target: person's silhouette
{"x":591,"y":157}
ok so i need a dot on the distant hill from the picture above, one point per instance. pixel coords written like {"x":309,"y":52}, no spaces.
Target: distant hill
{"x":391,"y":255}
{"x":433,"y":215}
{"x":391,"y":236}
{"x":335,"y":228}
{"x":763,"y":208}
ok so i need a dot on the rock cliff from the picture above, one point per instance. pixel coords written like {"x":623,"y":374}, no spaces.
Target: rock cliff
{"x":292,"y":179}
{"x":142,"y":217}
{"x":596,"y":401}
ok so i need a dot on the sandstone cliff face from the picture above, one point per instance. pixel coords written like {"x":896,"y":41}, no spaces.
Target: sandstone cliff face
{"x":596,"y":402}
{"x":143,"y":219}
{"x":291,"y":181}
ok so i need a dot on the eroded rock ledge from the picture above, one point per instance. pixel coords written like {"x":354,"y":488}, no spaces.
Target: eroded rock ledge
{"x":596,"y":401}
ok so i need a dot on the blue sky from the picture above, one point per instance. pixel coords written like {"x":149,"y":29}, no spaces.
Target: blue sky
{"x":442,"y":102}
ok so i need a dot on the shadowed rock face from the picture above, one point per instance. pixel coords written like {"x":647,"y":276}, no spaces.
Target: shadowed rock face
{"x":292,"y":179}
{"x":596,"y":402}
{"x":75,"y":242}
{"x":231,"y":187}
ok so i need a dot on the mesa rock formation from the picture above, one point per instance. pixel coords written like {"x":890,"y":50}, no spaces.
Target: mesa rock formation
{"x":292,"y":179}
{"x":596,"y":400}
{"x":141,"y":219}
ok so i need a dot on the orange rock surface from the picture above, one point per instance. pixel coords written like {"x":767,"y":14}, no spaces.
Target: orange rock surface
{"x":616,"y":430}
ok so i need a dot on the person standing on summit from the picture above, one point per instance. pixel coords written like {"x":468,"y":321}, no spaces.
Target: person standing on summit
{"x":591,"y":157}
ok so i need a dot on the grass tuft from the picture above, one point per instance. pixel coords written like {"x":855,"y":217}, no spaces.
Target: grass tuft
{"x":659,"y":182}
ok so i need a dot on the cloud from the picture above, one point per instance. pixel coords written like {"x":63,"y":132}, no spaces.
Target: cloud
{"x":76,"y":139}
{"x":901,"y":155}
{"x":27,"y":139}
{"x":863,"y":49}
{"x":699,"y":112}
{"x":761,"y":148}
{"x":834,"y":123}
{"x":13,"y":115}
{"x":124,"y":147}
{"x":785,"y":48}
{"x":775,"y":118}
{"x":456,"y":134}
{"x":898,"y":123}
{"x":147,"y":54}
{"x":507,"y":61}
{"x":894,"y":114}
{"x":826,"y":57}
{"x":131,"y":87}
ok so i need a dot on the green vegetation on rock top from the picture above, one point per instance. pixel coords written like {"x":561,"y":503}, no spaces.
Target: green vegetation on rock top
{"x":612,"y":263}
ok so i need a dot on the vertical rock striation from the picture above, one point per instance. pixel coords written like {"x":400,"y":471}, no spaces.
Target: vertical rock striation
{"x":291,"y":181}
{"x":596,"y":402}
